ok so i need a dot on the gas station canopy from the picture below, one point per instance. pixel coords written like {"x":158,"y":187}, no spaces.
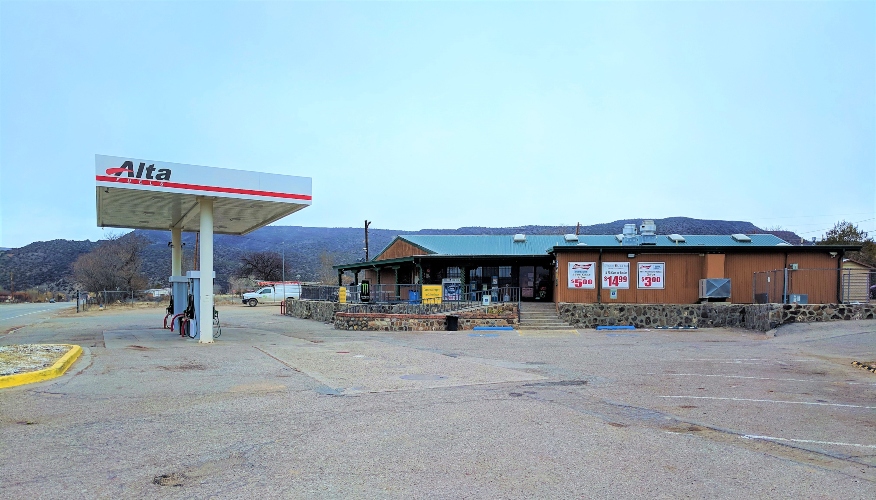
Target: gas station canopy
{"x":144,"y":194}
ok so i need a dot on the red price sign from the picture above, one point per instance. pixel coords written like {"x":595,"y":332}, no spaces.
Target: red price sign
{"x":582,"y":275}
{"x":615,"y":275}
{"x":651,"y":275}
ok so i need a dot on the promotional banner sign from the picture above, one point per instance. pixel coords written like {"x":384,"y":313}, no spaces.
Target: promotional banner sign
{"x":582,"y":275}
{"x":651,"y":275}
{"x":365,"y":291}
{"x":432,"y":294}
{"x":616,"y":275}
{"x":452,"y":289}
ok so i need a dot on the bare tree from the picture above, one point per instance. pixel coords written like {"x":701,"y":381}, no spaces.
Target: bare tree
{"x":114,"y":265}
{"x":327,"y":274}
{"x":261,"y":266}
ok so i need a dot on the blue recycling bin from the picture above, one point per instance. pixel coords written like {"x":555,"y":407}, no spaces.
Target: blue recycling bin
{"x":413,"y":297}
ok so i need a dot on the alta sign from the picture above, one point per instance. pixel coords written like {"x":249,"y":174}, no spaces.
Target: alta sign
{"x":142,"y":172}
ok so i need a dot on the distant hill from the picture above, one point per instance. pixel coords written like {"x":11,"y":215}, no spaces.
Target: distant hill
{"x":49,"y":263}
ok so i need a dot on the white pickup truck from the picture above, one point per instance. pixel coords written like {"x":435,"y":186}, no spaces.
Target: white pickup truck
{"x":272,"y":293}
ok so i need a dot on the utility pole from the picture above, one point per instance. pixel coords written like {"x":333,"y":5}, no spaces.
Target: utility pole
{"x":578,"y":229}
{"x":367,"y":223}
{"x":12,"y":286}
{"x":284,"y":266}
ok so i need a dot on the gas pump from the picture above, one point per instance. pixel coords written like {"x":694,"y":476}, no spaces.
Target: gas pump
{"x":179,"y":292}
{"x":193,"y":304}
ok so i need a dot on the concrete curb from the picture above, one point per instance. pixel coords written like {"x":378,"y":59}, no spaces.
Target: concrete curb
{"x":56,"y":370}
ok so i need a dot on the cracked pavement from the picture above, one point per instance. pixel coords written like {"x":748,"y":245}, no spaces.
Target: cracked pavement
{"x":281,"y":407}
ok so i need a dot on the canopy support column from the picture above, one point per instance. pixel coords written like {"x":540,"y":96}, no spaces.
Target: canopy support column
{"x":176,"y":251}
{"x":205,"y":322}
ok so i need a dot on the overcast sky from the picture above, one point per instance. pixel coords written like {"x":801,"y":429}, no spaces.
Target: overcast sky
{"x":447,"y":114}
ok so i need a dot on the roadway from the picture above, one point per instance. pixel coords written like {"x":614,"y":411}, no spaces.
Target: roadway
{"x":15,"y":316}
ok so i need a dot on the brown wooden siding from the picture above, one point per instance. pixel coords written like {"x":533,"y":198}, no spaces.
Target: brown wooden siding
{"x":369,"y":275}
{"x":400,"y":249}
{"x":714,"y":265}
{"x":566,"y":294}
{"x":387,"y":276}
{"x":740,"y":268}
{"x":817,"y":277}
{"x":683,"y":272}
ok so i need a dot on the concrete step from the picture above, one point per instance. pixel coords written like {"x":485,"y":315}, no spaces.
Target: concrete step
{"x":545,"y":327}
{"x":541,"y":320}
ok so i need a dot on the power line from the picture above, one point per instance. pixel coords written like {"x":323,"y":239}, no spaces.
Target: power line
{"x":828,"y":229}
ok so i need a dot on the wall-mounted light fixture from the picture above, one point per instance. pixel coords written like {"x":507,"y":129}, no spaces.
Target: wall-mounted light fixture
{"x":631,"y":256}
{"x":832,"y":255}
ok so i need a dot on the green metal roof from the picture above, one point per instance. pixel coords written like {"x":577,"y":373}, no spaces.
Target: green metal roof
{"x":540,"y":244}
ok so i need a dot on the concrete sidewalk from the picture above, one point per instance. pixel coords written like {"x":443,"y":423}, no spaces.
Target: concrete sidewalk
{"x":281,"y":407}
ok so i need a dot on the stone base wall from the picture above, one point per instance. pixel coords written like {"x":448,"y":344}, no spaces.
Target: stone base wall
{"x":503,"y":315}
{"x":652,"y":315}
{"x":313,"y":309}
{"x":762,"y":317}
{"x":769,"y":316}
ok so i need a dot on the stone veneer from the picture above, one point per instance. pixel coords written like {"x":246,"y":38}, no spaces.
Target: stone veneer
{"x":497,"y":315}
{"x":387,"y":320}
{"x":313,"y":309}
{"x":761,"y":317}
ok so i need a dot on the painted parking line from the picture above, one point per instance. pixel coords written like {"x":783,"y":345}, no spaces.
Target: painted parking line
{"x":814,"y":403}
{"x":809,"y":441}
{"x":25,"y":314}
{"x":751,"y":378}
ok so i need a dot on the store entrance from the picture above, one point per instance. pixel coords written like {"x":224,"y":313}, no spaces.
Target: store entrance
{"x":535,"y":283}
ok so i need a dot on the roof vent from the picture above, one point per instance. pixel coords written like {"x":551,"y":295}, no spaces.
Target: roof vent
{"x":519,"y":238}
{"x":582,"y":244}
{"x":676,"y":238}
{"x":648,"y":231}
{"x":741,"y":238}
{"x":619,"y":238}
{"x":630,"y":237}
{"x":783,"y":244}
{"x":571,"y":237}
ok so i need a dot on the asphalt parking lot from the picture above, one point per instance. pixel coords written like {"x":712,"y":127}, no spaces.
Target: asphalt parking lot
{"x":282,"y":407}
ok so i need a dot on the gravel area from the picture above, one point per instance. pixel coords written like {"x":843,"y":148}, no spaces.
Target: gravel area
{"x":29,"y":357}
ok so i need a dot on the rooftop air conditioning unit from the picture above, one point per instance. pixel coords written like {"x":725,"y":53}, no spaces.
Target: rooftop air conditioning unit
{"x":630,"y":237}
{"x":519,"y":238}
{"x":715,"y":288}
{"x":648,"y":232}
{"x":571,"y":237}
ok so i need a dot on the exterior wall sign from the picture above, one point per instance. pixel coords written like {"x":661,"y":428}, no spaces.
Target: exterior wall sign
{"x":651,"y":275}
{"x":582,"y":275}
{"x":432,"y":294}
{"x":452,"y":289}
{"x":616,"y":275}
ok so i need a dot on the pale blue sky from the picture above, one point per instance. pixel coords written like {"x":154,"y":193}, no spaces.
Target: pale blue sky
{"x":446,"y":114}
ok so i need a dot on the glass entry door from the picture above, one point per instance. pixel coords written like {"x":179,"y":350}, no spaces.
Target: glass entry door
{"x":535,"y":283}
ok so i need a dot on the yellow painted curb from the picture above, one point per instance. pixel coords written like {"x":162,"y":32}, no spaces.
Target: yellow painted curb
{"x":54,"y":371}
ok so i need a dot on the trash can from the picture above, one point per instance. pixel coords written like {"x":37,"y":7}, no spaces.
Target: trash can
{"x":413,"y":297}
{"x":452,"y":323}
